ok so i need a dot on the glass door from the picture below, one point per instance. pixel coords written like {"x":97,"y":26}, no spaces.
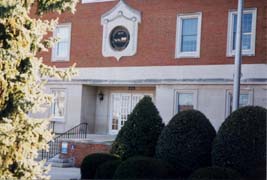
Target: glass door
{"x":122,"y":105}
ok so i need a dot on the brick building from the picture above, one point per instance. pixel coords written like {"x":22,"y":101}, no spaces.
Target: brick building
{"x":178,"y":52}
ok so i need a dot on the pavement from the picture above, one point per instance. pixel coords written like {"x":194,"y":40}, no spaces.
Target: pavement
{"x":57,"y":173}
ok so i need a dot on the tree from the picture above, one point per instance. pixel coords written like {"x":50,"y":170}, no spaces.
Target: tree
{"x":186,"y":142}
{"x":21,"y":84}
{"x":140,"y":133}
{"x":240,"y":143}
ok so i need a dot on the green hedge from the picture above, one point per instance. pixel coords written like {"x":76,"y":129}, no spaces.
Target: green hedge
{"x":215,"y":173}
{"x":107,"y":169}
{"x":140,"y":133}
{"x":241,"y":142}
{"x":144,"y":168}
{"x":91,"y":162}
{"x":186,"y":142}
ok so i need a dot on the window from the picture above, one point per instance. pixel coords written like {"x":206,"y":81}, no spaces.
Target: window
{"x":245,"y":99}
{"x":248,"y":32}
{"x":61,"y":50}
{"x":94,"y":1}
{"x":188,"y":35}
{"x":185,"y":100}
{"x":58,"y":104}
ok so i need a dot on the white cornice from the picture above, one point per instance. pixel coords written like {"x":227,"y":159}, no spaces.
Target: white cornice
{"x":204,"y":74}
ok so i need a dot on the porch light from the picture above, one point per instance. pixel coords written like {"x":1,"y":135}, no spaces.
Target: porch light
{"x":101,"y":96}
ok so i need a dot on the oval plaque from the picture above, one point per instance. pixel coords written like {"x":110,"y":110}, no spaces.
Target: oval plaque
{"x":119,"y":38}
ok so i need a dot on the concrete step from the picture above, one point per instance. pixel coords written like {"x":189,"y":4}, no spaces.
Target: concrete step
{"x":61,"y":162}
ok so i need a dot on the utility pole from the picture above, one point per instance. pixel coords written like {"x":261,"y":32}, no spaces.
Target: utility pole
{"x":238,"y":56}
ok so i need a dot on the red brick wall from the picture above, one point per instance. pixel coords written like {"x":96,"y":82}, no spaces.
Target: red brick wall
{"x":157,"y":33}
{"x":83,"y":149}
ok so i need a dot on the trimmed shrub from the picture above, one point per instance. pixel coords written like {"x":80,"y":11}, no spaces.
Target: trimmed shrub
{"x":144,"y":168}
{"x":215,"y":173}
{"x":107,"y":169}
{"x":241,"y":142}
{"x":140,"y":133}
{"x":186,"y":142}
{"x":91,"y":162}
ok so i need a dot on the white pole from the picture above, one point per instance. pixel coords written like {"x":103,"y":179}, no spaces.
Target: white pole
{"x":238,"y":55}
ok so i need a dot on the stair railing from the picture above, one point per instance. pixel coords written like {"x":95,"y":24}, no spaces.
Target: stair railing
{"x":77,"y":132}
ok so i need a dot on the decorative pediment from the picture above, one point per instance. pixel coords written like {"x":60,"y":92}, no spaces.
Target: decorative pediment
{"x":120,"y":31}
{"x":121,"y":10}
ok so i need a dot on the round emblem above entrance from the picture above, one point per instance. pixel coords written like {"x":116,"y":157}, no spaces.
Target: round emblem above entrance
{"x":119,"y":38}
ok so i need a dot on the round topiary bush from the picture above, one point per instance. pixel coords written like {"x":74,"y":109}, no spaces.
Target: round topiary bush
{"x":186,"y":142}
{"x":241,"y":142}
{"x":107,"y":169}
{"x":215,"y":173}
{"x":140,"y":133}
{"x":144,"y":168}
{"x":91,"y":162}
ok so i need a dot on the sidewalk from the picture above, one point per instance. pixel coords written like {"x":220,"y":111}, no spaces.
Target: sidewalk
{"x":64,"y":173}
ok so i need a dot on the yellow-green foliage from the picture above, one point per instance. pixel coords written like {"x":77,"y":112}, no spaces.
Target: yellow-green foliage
{"x":22,"y":84}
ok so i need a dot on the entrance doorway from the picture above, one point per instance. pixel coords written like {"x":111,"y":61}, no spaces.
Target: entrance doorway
{"x":122,"y":105}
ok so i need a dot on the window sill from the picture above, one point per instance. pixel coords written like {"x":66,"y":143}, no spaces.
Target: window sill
{"x":180,"y":55}
{"x":60,"y":60}
{"x":58,"y":119}
{"x":243,"y":54}
{"x":187,"y":57}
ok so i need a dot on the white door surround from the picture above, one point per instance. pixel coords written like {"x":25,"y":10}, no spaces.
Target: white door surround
{"x":121,"y":105}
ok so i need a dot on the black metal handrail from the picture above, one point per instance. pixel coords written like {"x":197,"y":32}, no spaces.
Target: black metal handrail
{"x":77,"y":132}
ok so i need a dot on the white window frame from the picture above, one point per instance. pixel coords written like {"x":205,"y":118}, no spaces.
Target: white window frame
{"x":178,"y":52}
{"x":54,"y":49}
{"x":246,"y":52}
{"x":242,"y":91}
{"x":59,"y":119}
{"x":94,"y":1}
{"x":182,"y":91}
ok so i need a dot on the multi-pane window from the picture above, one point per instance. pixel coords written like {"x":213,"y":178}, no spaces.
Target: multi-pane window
{"x":244,"y":100}
{"x":248,"y":32}
{"x":61,"y":50}
{"x":188,"y":35}
{"x":185,"y":101}
{"x":58,"y":104}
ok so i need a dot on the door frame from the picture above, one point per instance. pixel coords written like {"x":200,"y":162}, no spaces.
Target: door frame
{"x":115,"y":132}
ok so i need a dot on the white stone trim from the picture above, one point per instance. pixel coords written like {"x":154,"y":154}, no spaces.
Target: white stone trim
{"x":178,"y":52}
{"x":121,"y":15}
{"x":172,"y":72}
{"x":198,"y":74}
{"x":251,"y":52}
